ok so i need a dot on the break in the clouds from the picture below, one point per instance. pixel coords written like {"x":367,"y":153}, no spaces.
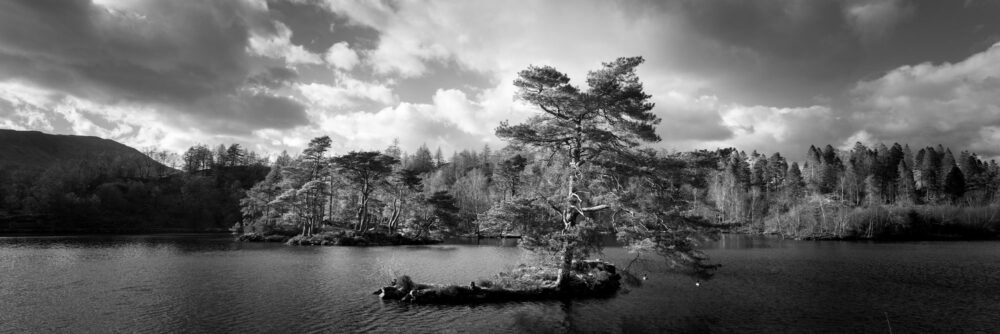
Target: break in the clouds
{"x":757,"y":75}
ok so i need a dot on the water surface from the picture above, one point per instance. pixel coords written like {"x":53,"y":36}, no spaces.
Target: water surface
{"x":207,"y":283}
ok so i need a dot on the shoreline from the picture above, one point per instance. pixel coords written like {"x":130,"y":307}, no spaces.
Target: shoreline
{"x":901,"y":237}
{"x":74,"y":233}
{"x":938,"y":237}
{"x":341,"y":238}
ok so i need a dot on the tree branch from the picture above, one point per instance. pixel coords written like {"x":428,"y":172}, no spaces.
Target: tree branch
{"x":596,"y":208}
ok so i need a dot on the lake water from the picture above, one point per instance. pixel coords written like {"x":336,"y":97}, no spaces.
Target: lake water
{"x":210,"y":284}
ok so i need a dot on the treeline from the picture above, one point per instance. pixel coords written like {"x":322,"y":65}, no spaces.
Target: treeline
{"x":858,"y":193}
{"x":130,"y":193}
{"x":475,"y":192}
{"x":864,"y":192}
{"x":389,"y":192}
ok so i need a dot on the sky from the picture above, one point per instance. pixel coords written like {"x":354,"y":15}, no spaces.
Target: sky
{"x":771,"y":76}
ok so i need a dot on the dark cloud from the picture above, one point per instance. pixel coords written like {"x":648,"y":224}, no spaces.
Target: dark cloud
{"x":168,"y":51}
{"x":273,"y":78}
{"x":244,"y":112}
{"x":317,"y":29}
{"x":270,"y":112}
{"x":954,"y":105}
{"x":441,"y":75}
{"x":174,"y":53}
{"x":690,"y":119}
{"x":780,"y":53}
{"x":797,"y":52}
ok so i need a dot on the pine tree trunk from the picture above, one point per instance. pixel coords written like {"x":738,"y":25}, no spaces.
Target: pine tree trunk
{"x":568,"y":223}
{"x":566,"y":267}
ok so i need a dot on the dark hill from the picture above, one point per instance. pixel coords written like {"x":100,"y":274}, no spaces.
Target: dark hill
{"x":33,"y":150}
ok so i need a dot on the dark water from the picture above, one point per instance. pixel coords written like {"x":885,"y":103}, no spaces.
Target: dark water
{"x":192,"y":284}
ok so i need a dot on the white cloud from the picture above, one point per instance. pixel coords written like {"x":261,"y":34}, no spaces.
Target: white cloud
{"x":688,"y":117}
{"x":766,"y":128}
{"x":955,"y":105}
{"x":340,"y":55}
{"x":453,"y":121}
{"x":705,"y":122}
{"x":347,"y":92}
{"x":19,"y":93}
{"x":34,"y":108}
{"x":454,"y":107}
{"x":511,"y":38}
{"x":413,"y":35}
{"x":279,"y":46}
{"x":413,"y":124}
{"x":952,"y":104}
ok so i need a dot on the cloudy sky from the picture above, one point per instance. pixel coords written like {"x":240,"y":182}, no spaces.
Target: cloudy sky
{"x":766,"y":75}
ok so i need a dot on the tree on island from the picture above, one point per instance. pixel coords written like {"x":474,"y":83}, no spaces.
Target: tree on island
{"x":437,"y":212}
{"x":509,"y":174}
{"x":590,"y":132}
{"x":365,"y":170}
{"x":304,"y":191}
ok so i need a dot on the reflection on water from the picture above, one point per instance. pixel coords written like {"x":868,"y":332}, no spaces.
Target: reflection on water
{"x":206,"y":283}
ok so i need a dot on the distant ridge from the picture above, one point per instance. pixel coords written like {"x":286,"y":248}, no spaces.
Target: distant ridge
{"x":34,"y":150}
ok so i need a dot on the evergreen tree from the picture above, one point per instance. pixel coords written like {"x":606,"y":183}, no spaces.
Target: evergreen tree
{"x":777,"y":169}
{"x":509,"y":173}
{"x":422,"y":162}
{"x":394,"y":151}
{"x":366,"y":171}
{"x":947,"y":163}
{"x":929,"y":181}
{"x":438,"y":158}
{"x":954,"y":185}
{"x":594,"y":131}
{"x":905,"y":188}
{"x":908,"y":157}
{"x":304,"y":192}
{"x":794,"y":185}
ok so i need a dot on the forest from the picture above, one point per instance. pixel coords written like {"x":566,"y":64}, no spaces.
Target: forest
{"x":859,"y":193}
{"x":118,"y":192}
{"x":865,"y":192}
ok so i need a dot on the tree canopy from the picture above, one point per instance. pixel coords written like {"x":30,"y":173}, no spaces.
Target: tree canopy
{"x":589,"y":130}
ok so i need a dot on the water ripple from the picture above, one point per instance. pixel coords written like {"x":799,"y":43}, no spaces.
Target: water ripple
{"x":160,"y":284}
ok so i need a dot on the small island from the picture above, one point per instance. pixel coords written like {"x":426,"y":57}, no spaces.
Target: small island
{"x":589,"y":279}
{"x":340,"y":238}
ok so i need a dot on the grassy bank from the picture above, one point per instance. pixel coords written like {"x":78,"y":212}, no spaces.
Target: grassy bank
{"x":817,"y":220}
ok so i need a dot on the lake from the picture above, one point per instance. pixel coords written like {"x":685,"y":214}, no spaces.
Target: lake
{"x":210,"y":284}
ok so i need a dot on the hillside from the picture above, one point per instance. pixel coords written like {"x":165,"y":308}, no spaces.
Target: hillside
{"x":76,"y":184}
{"x":33,"y":150}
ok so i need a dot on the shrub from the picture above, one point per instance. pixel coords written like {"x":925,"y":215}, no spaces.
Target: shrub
{"x":484,"y":283}
{"x":404,"y":283}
